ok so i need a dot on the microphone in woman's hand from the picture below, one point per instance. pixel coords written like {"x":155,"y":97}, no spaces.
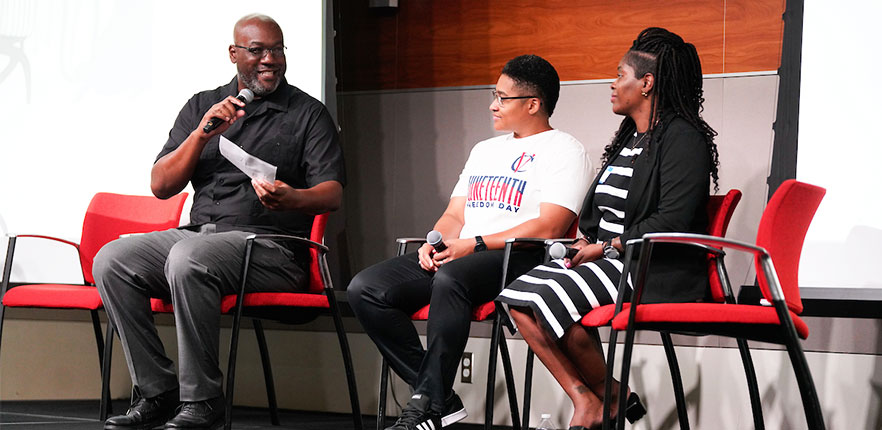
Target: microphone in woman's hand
{"x":558,"y":251}
{"x":434,"y":239}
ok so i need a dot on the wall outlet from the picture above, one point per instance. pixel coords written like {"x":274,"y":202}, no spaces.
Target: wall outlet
{"x":465,"y":373}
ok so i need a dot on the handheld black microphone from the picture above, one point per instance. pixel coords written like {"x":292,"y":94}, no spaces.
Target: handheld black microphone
{"x":245,"y":95}
{"x":434,"y":239}
{"x":558,"y":251}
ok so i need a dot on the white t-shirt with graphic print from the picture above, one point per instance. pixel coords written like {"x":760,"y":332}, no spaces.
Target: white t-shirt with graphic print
{"x":505,"y":179}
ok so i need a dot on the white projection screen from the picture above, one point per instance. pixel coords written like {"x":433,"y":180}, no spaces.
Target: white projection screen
{"x":91,"y":88}
{"x":840,"y":148}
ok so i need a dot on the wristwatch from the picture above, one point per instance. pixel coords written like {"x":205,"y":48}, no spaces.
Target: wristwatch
{"x":610,"y":251}
{"x":479,"y":244}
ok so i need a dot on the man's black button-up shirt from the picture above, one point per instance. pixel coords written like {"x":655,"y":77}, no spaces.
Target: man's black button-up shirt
{"x":288,"y":129}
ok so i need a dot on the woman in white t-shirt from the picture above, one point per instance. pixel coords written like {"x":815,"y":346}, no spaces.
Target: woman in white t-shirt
{"x":527,"y":183}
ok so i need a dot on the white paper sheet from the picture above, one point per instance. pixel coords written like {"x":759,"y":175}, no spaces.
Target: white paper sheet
{"x":252,"y":166}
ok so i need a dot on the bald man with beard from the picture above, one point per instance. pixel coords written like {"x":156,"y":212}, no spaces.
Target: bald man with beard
{"x":194,"y":266}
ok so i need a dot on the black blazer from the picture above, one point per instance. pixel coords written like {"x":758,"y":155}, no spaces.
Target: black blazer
{"x":668,"y":193}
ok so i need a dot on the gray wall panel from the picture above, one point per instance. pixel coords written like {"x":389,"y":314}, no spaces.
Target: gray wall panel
{"x":405,"y":150}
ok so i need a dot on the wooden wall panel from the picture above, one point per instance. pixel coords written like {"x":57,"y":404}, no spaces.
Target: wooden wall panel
{"x":754,"y":30}
{"x":429,"y":44}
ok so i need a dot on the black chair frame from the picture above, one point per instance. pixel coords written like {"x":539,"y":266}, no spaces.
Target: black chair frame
{"x":787,"y":335}
{"x":671,"y":356}
{"x":497,"y":345}
{"x":105,"y":407}
{"x":256,"y":315}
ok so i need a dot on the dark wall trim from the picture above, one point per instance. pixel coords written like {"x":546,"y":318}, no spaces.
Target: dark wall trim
{"x":786,"y":125}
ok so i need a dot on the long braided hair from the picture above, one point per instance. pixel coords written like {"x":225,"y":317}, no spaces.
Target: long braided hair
{"x":678,"y":90}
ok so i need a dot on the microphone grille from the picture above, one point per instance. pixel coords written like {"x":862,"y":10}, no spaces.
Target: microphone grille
{"x":557,"y":251}
{"x":433,"y":237}
{"x":247,"y":95}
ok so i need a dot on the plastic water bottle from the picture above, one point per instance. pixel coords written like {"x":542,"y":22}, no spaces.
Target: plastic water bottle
{"x":545,"y":423}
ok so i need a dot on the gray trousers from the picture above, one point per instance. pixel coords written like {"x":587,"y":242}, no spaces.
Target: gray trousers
{"x":194,"y":270}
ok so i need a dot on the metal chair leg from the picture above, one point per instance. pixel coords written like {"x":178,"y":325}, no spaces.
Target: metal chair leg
{"x":234,"y":337}
{"x":384,"y":387}
{"x":347,"y":363}
{"x":267,"y":372}
{"x":528,"y":387}
{"x":344,"y":348}
{"x":607,"y":386}
{"x":752,"y":387}
{"x":2,"y":309}
{"x":491,"y":377}
{"x":99,"y":337}
{"x":231,"y":372}
{"x":626,"y":370}
{"x":99,"y":342}
{"x":813,"y":415}
{"x":676,"y":379}
{"x":106,"y":407}
{"x":509,"y":378}
{"x":4,"y":281}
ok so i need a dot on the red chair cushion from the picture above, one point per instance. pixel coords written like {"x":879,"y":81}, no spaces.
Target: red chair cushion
{"x":317,"y":234}
{"x":707,"y":313}
{"x":53,"y":296}
{"x":303,"y":300}
{"x":601,"y":316}
{"x":162,"y":306}
{"x":479,"y":313}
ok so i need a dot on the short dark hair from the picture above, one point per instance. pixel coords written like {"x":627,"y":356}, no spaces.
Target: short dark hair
{"x":534,"y":74}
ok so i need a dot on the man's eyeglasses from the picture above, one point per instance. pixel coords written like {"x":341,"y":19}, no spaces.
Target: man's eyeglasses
{"x":501,"y":100}
{"x":259,"y":52}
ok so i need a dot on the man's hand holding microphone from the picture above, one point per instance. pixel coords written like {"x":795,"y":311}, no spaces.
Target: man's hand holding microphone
{"x":436,"y":251}
{"x":223,"y":114}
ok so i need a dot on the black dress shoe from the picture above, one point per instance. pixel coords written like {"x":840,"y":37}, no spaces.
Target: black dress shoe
{"x":634,"y":409}
{"x":205,"y":414}
{"x":145,"y":413}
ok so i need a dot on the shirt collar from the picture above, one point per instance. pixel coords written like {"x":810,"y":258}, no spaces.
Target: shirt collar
{"x":277,"y":100}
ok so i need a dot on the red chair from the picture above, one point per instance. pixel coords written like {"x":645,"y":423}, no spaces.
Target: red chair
{"x":719,"y":212}
{"x":108,"y":217}
{"x":288,"y":308}
{"x":778,"y":247}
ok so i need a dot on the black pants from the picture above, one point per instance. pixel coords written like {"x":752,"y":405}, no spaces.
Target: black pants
{"x":385,"y":295}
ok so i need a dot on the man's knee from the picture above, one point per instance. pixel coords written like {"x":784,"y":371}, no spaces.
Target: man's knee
{"x":368,"y":289}
{"x":184,"y":259}
{"x":356,"y":290}
{"x":109,"y":258}
{"x":448,"y":282}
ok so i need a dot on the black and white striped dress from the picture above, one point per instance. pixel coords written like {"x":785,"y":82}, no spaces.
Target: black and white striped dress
{"x":560,"y":297}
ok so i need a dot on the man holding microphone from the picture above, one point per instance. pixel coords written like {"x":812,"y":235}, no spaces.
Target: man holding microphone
{"x":196,"y":265}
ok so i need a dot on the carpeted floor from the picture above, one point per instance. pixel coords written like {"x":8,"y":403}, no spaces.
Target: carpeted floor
{"x":83,"y":414}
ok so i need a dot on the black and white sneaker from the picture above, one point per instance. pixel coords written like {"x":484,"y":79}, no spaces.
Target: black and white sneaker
{"x":454,"y":411}
{"x":417,"y":415}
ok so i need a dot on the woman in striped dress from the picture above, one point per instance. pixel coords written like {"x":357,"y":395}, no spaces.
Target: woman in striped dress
{"x":655,"y":178}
